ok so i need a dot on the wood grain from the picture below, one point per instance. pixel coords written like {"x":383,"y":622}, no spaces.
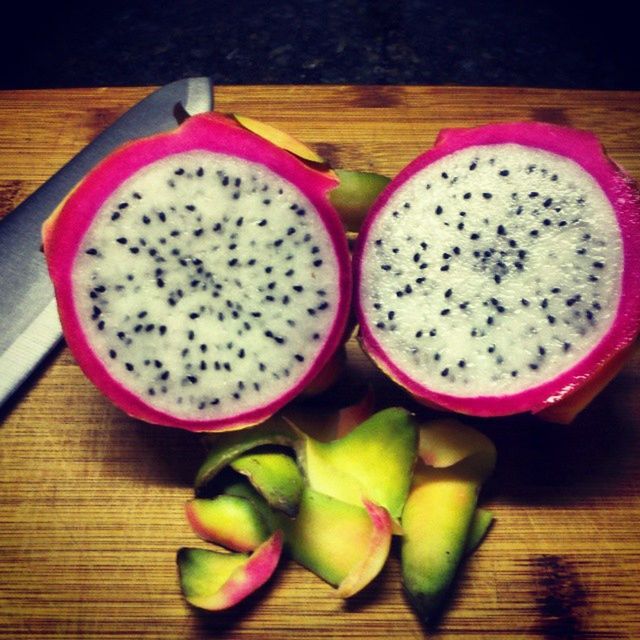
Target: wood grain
{"x":91,"y":502}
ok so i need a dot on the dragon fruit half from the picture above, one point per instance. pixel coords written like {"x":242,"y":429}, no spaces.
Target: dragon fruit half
{"x":499,"y":272}
{"x":202,"y":276}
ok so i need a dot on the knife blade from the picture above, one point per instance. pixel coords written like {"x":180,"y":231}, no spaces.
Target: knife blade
{"x":29,"y":324}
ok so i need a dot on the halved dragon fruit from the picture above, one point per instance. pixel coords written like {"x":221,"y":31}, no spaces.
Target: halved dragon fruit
{"x":202,"y":276}
{"x":499,"y":272}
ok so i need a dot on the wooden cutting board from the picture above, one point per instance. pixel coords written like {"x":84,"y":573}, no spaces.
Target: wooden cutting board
{"x":91,"y":502}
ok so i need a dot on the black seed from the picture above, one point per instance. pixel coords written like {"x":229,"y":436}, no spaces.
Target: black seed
{"x":491,"y":348}
{"x":150,"y":327}
{"x":129,"y":366}
{"x":533,"y":366}
{"x":160,"y":282}
{"x":534,"y":232}
{"x":598,"y":264}
{"x":420,"y":280}
{"x":298,"y":288}
{"x":533,"y":194}
{"x":262,"y":222}
{"x":445,"y":372}
{"x":504,"y":172}
{"x":291,"y":231}
{"x":233,"y":262}
{"x":164,"y":375}
{"x":192,"y":379}
{"x":447,"y":293}
{"x":547,"y":203}
{"x":203,"y":365}
{"x":92,"y":252}
{"x":472,"y":166}
{"x":501,"y":231}
{"x":474,"y":236}
{"x":317,"y":263}
{"x":497,"y":279}
{"x":112,"y":354}
{"x":551,"y":319}
{"x":461,"y":363}
{"x":546,"y":222}
{"x":445,"y":312}
{"x":444,"y":267}
{"x":566,"y":346}
{"x":385,"y":267}
{"x":162,"y":216}
{"x":487,"y":196}
{"x":322,"y":306}
{"x":438,"y":210}
{"x":545,"y":303}
{"x":122,"y":240}
{"x":418,"y":334}
{"x":115,"y":215}
{"x":490,"y":320}
{"x":436,"y":357}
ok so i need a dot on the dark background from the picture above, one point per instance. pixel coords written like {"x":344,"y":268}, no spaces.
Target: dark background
{"x":496,"y":43}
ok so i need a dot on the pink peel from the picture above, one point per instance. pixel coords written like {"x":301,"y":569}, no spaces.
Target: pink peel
{"x":244,"y":580}
{"x":377,"y":552}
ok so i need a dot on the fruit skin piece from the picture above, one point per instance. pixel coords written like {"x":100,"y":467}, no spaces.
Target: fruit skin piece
{"x":226,"y":447}
{"x":355,"y":195}
{"x":373,"y":461}
{"x":275,"y":475}
{"x":229,"y":521}
{"x":440,"y":520}
{"x":215,"y":580}
{"x":64,"y":231}
{"x":584,"y":149}
{"x":344,"y":544}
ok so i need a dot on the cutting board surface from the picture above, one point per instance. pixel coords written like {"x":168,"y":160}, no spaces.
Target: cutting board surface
{"x":91,"y":501}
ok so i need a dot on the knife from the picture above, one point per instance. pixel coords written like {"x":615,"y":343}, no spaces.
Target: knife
{"x":29,"y":324}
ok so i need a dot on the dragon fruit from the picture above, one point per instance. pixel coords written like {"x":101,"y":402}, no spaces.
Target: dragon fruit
{"x":202,"y":276}
{"x":498,"y":272}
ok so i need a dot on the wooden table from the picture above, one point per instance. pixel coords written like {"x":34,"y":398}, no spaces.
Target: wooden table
{"x":91,"y":502}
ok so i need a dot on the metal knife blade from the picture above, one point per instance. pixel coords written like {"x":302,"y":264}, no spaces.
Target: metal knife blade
{"x":29,"y":325}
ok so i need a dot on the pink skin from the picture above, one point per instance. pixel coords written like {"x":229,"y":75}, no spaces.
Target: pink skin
{"x":378,"y":549}
{"x":255,"y":573}
{"x":250,"y":577}
{"x":64,"y":233}
{"x":584,"y":149}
